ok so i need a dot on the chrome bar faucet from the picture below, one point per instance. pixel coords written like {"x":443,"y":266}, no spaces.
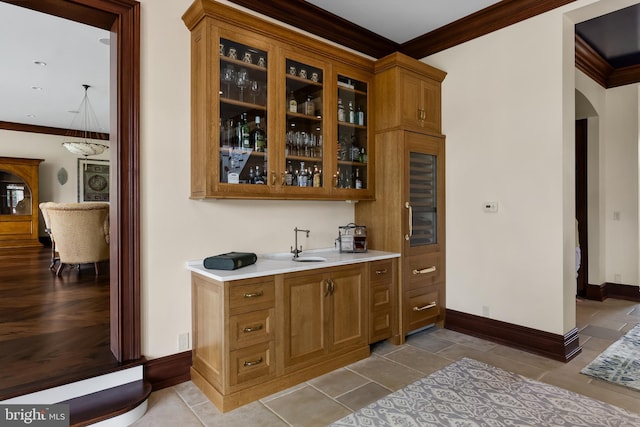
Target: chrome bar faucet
{"x":294,"y":249}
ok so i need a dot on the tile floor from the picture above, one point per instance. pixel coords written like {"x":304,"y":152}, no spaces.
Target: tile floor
{"x":325,"y":399}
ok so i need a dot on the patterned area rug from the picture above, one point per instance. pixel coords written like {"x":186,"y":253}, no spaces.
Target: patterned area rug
{"x":469,"y":393}
{"x":620,"y":363}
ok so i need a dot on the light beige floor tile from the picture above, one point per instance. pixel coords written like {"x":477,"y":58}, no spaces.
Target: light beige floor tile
{"x":307,"y":407}
{"x":283,"y":392}
{"x":363,"y":396}
{"x":383,"y":347}
{"x":385,"y":372}
{"x":525,"y":357}
{"x":190,"y":393}
{"x":254,"y":414}
{"x":423,"y":361}
{"x":597,"y":344}
{"x":165,"y":408}
{"x":600,"y":332}
{"x":338,"y":382}
{"x":469,"y":341}
{"x":429,"y":341}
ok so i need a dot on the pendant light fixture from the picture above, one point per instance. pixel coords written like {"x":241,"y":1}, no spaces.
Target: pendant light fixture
{"x":80,"y":143}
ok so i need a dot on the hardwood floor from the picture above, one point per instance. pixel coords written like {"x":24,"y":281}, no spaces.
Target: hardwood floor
{"x":53,"y":330}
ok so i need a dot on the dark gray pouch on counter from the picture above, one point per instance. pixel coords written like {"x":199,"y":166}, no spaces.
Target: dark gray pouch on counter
{"x":230,"y":261}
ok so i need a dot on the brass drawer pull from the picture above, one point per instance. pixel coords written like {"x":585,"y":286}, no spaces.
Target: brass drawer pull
{"x":252,"y":362}
{"x":254,"y":294}
{"x":252,"y":328}
{"x":384,"y":271}
{"x":433,"y":304}
{"x":424,"y":270}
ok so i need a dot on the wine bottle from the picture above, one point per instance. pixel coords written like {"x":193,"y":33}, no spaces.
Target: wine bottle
{"x":303,"y":177}
{"x":293,"y":104}
{"x":340,"y":110}
{"x":288,"y":177}
{"x":259,"y":137}
{"x":259,"y":179}
{"x":245,"y":132}
{"x":357,"y":179}
{"x":352,"y":113}
{"x":309,"y":106}
{"x":317,"y":175}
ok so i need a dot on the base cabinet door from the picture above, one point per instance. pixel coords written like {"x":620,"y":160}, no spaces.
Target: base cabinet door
{"x":323,"y":314}
{"x":305,"y":297}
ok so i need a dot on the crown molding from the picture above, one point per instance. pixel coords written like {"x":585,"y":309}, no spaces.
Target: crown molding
{"x":591,"y":63}
{"x":485,"y":21}
{"x":308,"y":17}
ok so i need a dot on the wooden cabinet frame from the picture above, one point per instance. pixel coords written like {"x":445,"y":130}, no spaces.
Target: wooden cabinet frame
{"x":208,"y":22}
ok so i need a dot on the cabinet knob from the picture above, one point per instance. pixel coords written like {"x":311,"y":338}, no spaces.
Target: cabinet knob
{"x":273,"y":177}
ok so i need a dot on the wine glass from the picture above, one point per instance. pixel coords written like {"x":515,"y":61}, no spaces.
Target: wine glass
{"x":255,"y":89}
{"x":228,"y":75}
{"x":242,"y":81}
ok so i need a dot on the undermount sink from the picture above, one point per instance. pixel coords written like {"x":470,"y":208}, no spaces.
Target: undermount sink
{"x":309,"y":259}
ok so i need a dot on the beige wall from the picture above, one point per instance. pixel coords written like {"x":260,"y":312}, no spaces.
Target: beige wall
{"x":176,"y":229}
{"x":508,"y":113}
{"x":49,"y":148}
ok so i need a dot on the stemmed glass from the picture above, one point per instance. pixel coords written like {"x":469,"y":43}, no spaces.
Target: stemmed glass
{"x":255,"y":89}
{"x":242,"y":81}
{"x":228,"y":75}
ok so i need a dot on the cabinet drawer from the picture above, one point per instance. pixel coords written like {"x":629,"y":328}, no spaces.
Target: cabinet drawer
{"x":250,"y":328}
{"x":422,"y":307}
{"x":381,"y":272}
{"x":251,"y":294}
{"x":423,"y":270}
{"x":379,"y":325}
{"x":251,"y":363}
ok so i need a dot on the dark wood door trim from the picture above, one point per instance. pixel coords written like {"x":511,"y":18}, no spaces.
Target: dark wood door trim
{"x":581,"y":204}
{"x":122,"y":18}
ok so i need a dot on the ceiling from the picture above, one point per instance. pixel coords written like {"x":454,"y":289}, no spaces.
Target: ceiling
{"x":76,"y":54}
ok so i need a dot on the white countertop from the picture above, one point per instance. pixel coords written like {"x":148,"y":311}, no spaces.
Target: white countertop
{"x":278,"y":263}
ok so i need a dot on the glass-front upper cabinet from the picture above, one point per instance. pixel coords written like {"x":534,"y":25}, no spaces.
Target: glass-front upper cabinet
{"x":352,"y":156}
{"x":303,"y":165}
{"x":243,"y":114}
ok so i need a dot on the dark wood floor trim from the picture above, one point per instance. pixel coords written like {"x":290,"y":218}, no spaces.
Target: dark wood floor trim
{"x":109,"y":403}
{"x":613,"y":290}
{"x":168,"y":371}
{"x":558,"y":347}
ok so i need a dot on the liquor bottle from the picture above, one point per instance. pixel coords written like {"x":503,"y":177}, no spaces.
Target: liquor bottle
{"x":293,"y":104}
{"x":357,"y":179}
{"x":352,"y":113}
{"x":303,"y":177}
{"x":252,"y":177}
{"x":317,"y":176}
{"x":289,"y":176}
{"x":360,"y":116}
{"x":340,"y":110}
{"x":259,"y":179}
{"x":259,"y":137}
{"x":245,"y":132}
{"x":309,"y":106}
{"x":363,"y":156}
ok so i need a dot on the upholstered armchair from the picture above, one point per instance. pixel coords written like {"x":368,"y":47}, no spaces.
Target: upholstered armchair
{"x":80,"y":232}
